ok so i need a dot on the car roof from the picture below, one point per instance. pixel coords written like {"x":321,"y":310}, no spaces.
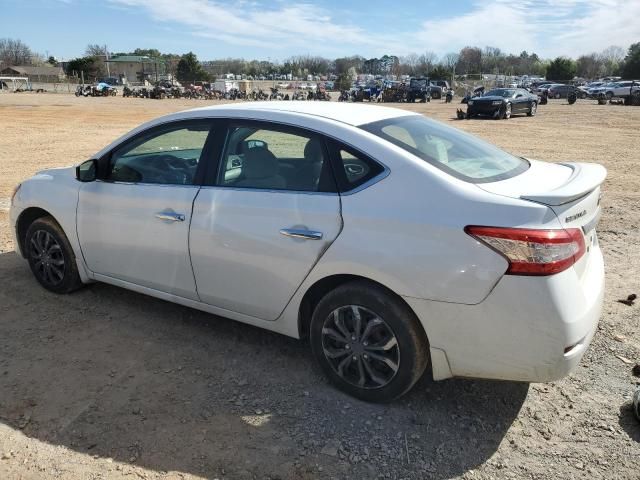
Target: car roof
{"x":349,"y":113}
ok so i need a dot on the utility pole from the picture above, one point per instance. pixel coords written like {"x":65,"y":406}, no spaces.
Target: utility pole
{"x":106,"y":55}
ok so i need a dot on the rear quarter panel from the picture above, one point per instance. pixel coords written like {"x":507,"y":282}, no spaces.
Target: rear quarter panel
{"x":407,"y":232}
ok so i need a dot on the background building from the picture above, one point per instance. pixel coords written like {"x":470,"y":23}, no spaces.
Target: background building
{"x":136,"y":68}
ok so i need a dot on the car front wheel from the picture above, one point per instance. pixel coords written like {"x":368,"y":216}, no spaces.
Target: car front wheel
{"x":51,"y":257}
{"x":368,"y":342}
{"x":507,"y":112}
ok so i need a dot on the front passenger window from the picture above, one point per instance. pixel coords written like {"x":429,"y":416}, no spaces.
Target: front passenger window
{"x":164,"y":156}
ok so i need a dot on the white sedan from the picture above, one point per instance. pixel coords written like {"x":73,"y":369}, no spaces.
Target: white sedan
{"x":393,"y":242}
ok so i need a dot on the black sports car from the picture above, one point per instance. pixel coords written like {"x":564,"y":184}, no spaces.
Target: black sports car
{"x":502,"y":103}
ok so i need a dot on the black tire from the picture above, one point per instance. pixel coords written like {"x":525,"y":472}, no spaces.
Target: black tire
{"x":393,"y":323}
{"x":505,"y":112}
{"x":51,"y":257}
{"x":533,"y":108}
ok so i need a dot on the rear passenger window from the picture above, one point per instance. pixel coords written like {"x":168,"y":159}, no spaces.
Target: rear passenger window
{"x":356,"y":169}
{"x":275,"y":159}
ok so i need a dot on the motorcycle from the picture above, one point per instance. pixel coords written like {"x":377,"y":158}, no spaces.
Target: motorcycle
{"x":83,"y":90}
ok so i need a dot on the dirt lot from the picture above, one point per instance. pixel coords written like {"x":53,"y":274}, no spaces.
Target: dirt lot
{"x":106,"y":383}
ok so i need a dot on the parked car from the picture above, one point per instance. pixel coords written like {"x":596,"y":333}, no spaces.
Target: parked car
{"x":419,"y":90}
{"x":586,"y":87}
{"x":619,"y":89}
{"x":443,"y":84}
{"x":502,"y":103}
{"x":390,"y":240}
{"x":595,"y":91}
{"x":563,"y":91}
{"x":112,"y":81}
{"x":543,"y":87}
{"x":435,"y":91}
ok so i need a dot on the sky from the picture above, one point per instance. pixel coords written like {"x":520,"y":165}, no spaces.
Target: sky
{"x":277,"y":29}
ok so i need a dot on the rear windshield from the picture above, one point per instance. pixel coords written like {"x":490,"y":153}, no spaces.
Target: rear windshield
{"x":457,"y":153}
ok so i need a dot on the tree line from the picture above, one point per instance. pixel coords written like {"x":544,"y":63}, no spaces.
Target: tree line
{"x":470,"y":61}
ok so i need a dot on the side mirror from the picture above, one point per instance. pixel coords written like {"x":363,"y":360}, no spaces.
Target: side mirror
{"x":86,"y":171}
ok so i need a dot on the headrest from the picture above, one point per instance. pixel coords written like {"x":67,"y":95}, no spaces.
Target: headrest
{"x":259,"y":162}
{"x":313,"y":151}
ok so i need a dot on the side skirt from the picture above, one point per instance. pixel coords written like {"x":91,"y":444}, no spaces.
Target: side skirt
{"x":277,"y":326}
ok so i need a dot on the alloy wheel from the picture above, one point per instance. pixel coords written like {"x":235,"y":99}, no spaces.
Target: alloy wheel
{"x":360,"y":347}
{"x":507,"y":111}
{"x":47,"y":257}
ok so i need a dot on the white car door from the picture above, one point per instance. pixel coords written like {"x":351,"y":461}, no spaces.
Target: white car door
{"x":269,"y":214}
{"x":133,"y":222}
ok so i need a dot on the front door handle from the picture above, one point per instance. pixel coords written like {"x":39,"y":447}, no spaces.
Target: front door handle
{"x":301,"y":233}
{"x":171,"y":216}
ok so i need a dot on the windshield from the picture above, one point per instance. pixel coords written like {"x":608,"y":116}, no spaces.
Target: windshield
{"x":457,"y":153}
{"x":500,"y":92}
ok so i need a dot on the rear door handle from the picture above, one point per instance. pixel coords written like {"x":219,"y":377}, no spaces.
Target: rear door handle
{"x":171,"y":216}
{"x":300,"y":233}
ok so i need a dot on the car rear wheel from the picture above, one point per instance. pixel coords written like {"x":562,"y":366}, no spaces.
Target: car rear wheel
{"x":368,"y":342}
{"x":51,"y":257}
{"x":533,"y":109}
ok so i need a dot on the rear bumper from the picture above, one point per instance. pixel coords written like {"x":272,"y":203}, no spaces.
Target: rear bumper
{"x":521,"y":330}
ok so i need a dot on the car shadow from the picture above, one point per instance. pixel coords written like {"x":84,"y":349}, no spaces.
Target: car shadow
{"x":111,"y":373}
{"x":515,"y":116}
{"x":628,"y":421}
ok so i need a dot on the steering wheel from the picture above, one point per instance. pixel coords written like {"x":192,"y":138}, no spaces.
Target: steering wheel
{"x":173,"y":170}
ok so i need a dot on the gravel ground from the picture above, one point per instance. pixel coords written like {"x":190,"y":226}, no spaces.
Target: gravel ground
{"x":107,"y":383}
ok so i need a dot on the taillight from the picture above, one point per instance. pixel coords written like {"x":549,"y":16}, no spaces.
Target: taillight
{"x":531,"y":251}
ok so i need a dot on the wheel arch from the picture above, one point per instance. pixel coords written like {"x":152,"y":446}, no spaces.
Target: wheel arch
{"x":26,"y":218}
{"x":321,"y":287}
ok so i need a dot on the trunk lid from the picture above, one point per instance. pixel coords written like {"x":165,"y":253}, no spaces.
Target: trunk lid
{"x":571,"y":190}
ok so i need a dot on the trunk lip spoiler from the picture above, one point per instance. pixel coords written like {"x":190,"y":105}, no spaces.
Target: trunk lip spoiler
{"x":578,"y":185}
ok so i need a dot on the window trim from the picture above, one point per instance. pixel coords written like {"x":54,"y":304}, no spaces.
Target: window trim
{"x":208,"y":149}
{"x":335,"y":146}
{"x":212,"y":176}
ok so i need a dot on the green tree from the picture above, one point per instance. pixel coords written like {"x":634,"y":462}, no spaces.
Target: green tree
{"x":52,"y":61}
{"x":631,"y":66}
{"x":343,"y":82}
{"x":190,"y":69}
{"x":92,"y":67}
{"x":440,"y":72}
{"x":149,"y":52}
{"x":561,"y":69}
